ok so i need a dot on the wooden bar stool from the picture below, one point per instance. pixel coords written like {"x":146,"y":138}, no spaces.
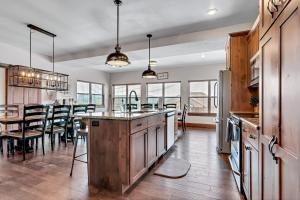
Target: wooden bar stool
{"x":81,"y":132}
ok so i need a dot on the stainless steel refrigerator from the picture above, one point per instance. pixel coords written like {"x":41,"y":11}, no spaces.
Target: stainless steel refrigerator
{"x":224,"y":104}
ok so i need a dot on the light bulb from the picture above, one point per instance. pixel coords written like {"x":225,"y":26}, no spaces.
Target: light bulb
{"x":23,"y":73}
{"x":38,"y":76}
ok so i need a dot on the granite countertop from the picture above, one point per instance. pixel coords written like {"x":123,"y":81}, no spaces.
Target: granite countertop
{"x":123,"y":115}
{"x":251,"y":121}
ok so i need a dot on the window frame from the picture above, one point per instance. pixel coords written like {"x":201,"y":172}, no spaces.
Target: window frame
{"x":90,"y":92}
{"x":127,"y":93}
{"x":209,"y":97}
{"x":163,"y":91}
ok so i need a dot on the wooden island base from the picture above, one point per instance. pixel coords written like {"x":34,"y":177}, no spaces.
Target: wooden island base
{"x":121,"y":150}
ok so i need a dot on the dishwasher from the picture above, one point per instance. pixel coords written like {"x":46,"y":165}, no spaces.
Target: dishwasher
{"x":170,"y":129}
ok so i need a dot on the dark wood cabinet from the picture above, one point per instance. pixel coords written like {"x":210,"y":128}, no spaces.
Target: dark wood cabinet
{"x":250,"y":175}
{"x":138,"y":155}
{"x":280,"y":139}
{"x":270,"y":11}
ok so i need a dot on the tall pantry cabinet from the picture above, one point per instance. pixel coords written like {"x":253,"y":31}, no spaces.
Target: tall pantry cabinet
{"x":279,"y":165}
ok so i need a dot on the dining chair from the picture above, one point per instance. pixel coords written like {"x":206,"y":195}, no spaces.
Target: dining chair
{"x":146,"y":106}
{"x":75,"y":122}
{"x":81,"y":131}
{"x":182,"y":118}
{"x":34,"y":125}
{"x":90,"y":108}
{"x":58,"y":123}
{"x":6,"y":110}
{"x":132,"y":106}
{"x":170,"y":105}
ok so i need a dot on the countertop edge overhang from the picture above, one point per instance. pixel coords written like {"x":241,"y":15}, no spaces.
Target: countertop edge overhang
{"x":125,"y":116}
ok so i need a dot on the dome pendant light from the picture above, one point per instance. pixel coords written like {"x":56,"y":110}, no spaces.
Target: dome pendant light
{"x":149,"y":73}
{"x":117,"y":58}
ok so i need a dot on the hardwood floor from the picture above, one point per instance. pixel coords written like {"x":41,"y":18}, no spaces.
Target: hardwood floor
{"x":47,"y":177}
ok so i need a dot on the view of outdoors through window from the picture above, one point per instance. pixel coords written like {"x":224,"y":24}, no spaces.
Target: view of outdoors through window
{"x":121,"y":96}
{"x":88,"y":93}
{"x":202,"y":96}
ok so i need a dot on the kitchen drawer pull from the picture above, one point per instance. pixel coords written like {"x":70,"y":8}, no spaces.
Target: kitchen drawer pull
{"x":140,"y":124}
{"x":252,"y":137}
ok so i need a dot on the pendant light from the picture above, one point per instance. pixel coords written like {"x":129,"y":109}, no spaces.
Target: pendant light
{"x":117,"y":58}
{"x":149,"y":73}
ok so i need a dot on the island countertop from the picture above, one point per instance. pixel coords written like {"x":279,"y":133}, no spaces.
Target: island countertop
{"x":117,"y":115}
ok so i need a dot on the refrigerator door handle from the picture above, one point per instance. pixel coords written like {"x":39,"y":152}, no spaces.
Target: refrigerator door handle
{"x":215,"y":96}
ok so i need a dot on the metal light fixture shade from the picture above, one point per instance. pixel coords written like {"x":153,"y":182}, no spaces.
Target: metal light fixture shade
{"x":117,"y":58}
{"x":149,"y":74}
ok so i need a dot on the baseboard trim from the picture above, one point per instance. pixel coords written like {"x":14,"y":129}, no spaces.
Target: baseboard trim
{"x":194,"y":125}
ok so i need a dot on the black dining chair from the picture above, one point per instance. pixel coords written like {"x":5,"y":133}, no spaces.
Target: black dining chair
{"x":75,"y":122}
{"x":146,"y":106}
{"x":90,"y":108}
{"x":182,"y":118}
{"x":58,"y":123}
{"x":34,"y":125}
{"x":132,"y":106}
{"x":6,"y":110}
{"x":170,"y":105}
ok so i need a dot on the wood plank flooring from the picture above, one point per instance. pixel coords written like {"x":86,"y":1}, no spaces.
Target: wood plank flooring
{"x":47,"y":177}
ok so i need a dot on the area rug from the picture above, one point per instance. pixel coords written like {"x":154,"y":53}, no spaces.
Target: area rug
{"x":173,"y":168}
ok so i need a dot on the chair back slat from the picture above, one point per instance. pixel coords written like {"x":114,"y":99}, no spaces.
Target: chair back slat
{"x":170,"y":105}
{"x":146,"y":105}
{"x":91,"y":108}
{"x":132,"y":106}
{"x":79,"y":109}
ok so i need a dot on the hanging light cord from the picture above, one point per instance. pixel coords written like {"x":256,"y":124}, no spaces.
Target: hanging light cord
{"x":118,"y":20}
{"x":149,"y":52}
{"x":30,"y":48}
{"x":53,"y":56}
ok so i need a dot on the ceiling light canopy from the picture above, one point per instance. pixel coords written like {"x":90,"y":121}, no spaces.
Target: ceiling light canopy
{"x":117,"y":58}
{"x":149,"y":73}
{"x":212,"y":11}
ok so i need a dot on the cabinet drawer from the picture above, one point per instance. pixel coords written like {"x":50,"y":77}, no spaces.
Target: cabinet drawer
{"x":251,"y":134}
{"x":138,"y":125}
{"x":156,"y":119}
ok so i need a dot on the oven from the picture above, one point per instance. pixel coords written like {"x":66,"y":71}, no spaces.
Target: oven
{"x":234,"y":136}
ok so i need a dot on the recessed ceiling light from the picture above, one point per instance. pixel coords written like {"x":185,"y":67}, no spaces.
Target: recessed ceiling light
{"x":202,"y":55}
{"x":212,"y":11}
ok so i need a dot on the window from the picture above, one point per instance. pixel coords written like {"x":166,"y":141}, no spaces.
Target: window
{"x":121,"y":96}
{"x":170,"y":92}
{"x":88,"y":93}
{"x":202,"y":96}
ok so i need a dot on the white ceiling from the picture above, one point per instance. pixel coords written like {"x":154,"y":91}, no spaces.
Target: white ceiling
{"x":87,"y":29}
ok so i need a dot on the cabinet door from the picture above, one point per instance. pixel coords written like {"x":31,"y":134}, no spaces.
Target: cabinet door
{"x":161,"y":142}
{"x":270,"y":114}
{"x":269,"y":11}
{"x":152,"y":154}
{"x":280,"y":175}
{"x":254,"y":182}
{"x":246,"y":165}
{"x":138,"y":155}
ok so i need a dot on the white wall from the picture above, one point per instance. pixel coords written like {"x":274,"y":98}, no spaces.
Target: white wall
{"x":183,"y":74}
{"x":17,"y":56}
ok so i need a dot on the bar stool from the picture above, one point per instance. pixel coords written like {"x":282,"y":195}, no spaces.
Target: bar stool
{"x":81,"y":132}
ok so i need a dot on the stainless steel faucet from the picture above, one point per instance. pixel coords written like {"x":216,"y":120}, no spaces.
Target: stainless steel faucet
{"x":136,"y":99}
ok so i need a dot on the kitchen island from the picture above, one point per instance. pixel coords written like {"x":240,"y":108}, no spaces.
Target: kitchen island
{"x":122,"y":146}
